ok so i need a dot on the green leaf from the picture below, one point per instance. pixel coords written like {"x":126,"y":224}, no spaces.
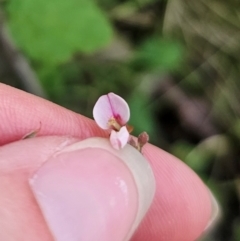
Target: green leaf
{"x":141,"y":116}
{"x":52,"y":31}
{"x":159,"y":54}
{"x":181,"y":149}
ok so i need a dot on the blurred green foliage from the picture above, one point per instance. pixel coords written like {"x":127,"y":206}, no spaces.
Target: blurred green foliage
{"x":52,"y":31}
{"x":141,"y":116}
{"x":159,"y":54}
{"x":62,"y":39}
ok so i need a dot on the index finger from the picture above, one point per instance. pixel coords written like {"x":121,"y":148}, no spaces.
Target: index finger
{"x":21,"y":113}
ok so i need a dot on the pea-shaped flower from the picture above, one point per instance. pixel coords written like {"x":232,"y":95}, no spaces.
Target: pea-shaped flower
{"x":111,"y":112}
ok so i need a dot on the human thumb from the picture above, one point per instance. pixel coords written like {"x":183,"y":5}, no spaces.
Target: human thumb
{"x":88,"y":191}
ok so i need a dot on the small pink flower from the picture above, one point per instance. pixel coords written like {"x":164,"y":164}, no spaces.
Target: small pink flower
{"x":119,"y":139}
{"x":111,"y":112}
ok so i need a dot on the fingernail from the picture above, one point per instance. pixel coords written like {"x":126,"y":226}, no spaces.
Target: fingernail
{"x":215,"y":213}
{"x":90,"y":191}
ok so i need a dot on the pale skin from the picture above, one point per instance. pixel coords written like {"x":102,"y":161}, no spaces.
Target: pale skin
{"x":181,"y":209}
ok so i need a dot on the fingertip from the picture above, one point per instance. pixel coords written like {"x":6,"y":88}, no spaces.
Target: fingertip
{"x":182,"y":205}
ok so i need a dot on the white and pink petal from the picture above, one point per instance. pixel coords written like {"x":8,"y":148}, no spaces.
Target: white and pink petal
{"x":111,"y":106}
{"x":120,"y":138}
